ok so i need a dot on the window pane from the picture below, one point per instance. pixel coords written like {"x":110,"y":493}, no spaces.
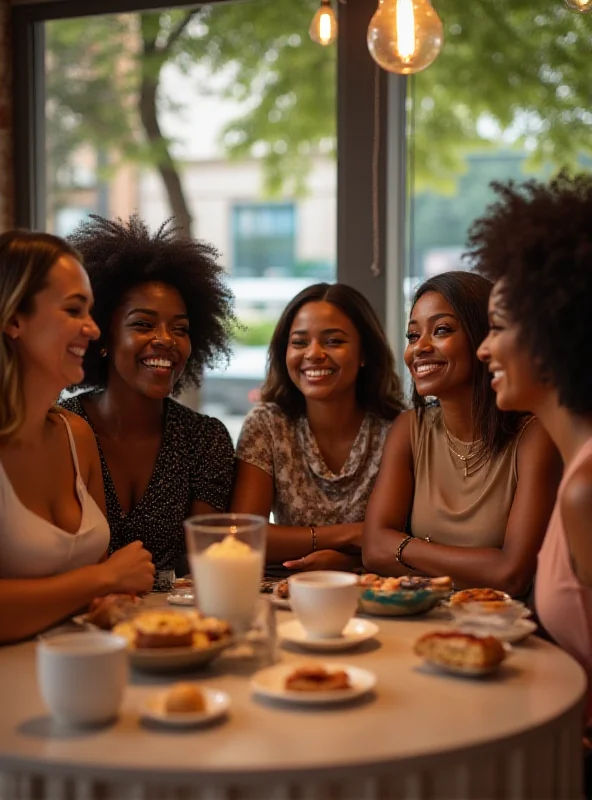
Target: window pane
{"x":508,"y":98}
{"x":219,"y":115}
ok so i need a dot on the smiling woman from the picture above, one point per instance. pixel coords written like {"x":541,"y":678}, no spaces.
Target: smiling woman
{"x":464,"y":489}
{"x":310,"y":452}
{"x":165,"y":314}
{"x":54,"y":533}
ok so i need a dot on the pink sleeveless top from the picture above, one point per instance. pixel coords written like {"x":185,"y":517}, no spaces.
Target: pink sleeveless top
{"x":564,"y":606}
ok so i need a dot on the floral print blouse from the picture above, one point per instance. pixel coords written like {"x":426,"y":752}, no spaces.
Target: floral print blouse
{"x":306,"y":491}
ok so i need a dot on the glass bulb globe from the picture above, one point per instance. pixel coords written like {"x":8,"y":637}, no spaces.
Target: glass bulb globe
{"x":579,"y":5}
{"x":405,"y":36}
{"x":323,"y":28}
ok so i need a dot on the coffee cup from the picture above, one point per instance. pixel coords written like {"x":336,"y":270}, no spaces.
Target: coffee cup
{"x":82,"y":676}
{"x":324,"y":601}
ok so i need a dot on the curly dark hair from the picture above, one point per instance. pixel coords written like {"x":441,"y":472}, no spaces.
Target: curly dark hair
{"x":537,"y":239}
{"x":378,"y":388}
{"x":468,"y":295}
{"x":119,"y":255}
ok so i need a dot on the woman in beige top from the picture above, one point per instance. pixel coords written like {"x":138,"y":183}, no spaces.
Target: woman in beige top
{"x":463,"y":489}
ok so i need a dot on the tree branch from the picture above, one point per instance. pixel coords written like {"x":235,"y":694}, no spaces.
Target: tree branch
{"x":177,"y":32}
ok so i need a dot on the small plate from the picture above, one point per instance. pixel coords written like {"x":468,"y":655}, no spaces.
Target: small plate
{"x":271,"y":683}
{"x":355,"y":632}
{"x":169,"y":659}
{"x":512,"y":634}
{"x":280,"y":602}
{"x":217,"y":704}
{"x":181,"y":599}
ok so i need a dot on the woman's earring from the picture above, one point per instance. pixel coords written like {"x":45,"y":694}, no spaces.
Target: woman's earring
{"x":103,"y":352}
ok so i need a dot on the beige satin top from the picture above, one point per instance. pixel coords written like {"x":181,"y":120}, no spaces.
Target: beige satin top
{"x":449,"y":507}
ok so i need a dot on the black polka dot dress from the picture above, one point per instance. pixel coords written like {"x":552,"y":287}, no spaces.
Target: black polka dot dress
{"x":195,"y":462}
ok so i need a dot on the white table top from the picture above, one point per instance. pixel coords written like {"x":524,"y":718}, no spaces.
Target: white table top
{"x":413,"y":713}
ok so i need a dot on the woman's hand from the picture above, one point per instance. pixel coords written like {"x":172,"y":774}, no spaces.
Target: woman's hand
{"x":324,"y":559}
{"x":130,"y":570}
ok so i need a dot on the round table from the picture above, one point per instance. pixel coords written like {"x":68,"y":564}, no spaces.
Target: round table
{"x":421,"y":735}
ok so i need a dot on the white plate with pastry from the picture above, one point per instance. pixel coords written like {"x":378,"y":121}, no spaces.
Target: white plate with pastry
{"x":161,"y":641}
{"x":313,"y":683}
{"x":185,"y":705}
{"x":461,"y":653}
{"x":355,"y":632}
{"x":280,"y":595}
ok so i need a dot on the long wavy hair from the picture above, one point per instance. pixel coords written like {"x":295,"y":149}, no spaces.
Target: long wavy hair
{"x":26,"y":258}
{"x":378,"y":388}
{"x":468,"y":295}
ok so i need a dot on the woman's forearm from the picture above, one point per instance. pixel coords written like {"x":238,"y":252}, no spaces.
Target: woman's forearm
{"x":30,"y":605}
{"x":467,"y":566}
{"x":287,"y":542}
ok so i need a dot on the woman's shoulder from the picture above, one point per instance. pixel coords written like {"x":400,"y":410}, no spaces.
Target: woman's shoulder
{"x":73,"y":404}
{"x":194,"y":421}
{"x":82,"y":433}
{"x":269,"y":415}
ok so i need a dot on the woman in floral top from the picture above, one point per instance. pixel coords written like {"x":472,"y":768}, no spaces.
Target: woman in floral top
{"x":311,"y":450}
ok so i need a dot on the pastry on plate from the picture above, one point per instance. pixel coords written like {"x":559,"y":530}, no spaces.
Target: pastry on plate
{"x":408,"y":583}
{"x":461,"y":650}
{"x":483,"y":595}
{"x":315,"y":678}
{"x":170,"y":629}
{"x":183,"y":698}
{"x":106,"y":612}
{"x":282,"y":590}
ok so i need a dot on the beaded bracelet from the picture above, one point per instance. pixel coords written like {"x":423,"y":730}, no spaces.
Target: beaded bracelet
{"x":399,"y":554}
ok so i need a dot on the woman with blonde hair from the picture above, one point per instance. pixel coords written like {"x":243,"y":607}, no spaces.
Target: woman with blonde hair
{"x":54,"y":532}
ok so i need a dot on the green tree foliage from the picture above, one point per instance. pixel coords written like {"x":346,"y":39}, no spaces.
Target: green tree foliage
{"x":515,"y":73}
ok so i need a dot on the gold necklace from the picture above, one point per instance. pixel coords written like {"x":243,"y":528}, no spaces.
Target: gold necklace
{"x":480,"y":456}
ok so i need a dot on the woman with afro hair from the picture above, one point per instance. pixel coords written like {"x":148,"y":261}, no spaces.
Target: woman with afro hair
{"x":164,"y":314}
{"x":535,"y":242}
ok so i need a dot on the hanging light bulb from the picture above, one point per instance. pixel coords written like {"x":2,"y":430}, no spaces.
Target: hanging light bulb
{"x":323,"y":28}
{"x":579,"y":5}
{"x":405,"y":36}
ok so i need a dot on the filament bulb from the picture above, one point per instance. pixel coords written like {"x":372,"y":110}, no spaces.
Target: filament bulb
{"x":405,"y":36}
{"x":323,"y":28}
{"x":579,"y":5}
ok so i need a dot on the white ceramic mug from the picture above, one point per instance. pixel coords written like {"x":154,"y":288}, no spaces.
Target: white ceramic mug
{"x":324,"y":601}
{"x":82,"y":676}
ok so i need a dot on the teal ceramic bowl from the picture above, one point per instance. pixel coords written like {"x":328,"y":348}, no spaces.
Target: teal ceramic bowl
{"x":399,"y":603}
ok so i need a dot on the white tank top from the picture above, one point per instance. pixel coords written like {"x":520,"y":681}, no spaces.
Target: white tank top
{"x":32,"y":547}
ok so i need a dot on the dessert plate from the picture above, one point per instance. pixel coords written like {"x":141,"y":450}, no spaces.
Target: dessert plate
{"x":271,"y":683}
{"x":355,"y":632}
{"x":512,"y":634}
{"x":280,"y":602}
{"x":169,"y":659}
{"x":217,"y":704}
{"x":177,"y":598}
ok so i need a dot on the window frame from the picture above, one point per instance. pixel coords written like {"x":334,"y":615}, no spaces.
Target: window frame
{"x":360,"y":86}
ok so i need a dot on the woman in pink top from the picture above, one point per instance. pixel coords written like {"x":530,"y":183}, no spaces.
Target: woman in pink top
{"x":536,"y":243}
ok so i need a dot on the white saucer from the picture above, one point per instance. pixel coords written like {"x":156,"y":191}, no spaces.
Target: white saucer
{"x":217,"y":704}
{"x":516,"y":632}
{"x":280,"y":602}
{"x":355,"y":632}
{"x":271,"y":683}
{"x":181,"y":599}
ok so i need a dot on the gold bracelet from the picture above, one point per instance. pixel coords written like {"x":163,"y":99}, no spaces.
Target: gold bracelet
{"x":313,"y":535}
